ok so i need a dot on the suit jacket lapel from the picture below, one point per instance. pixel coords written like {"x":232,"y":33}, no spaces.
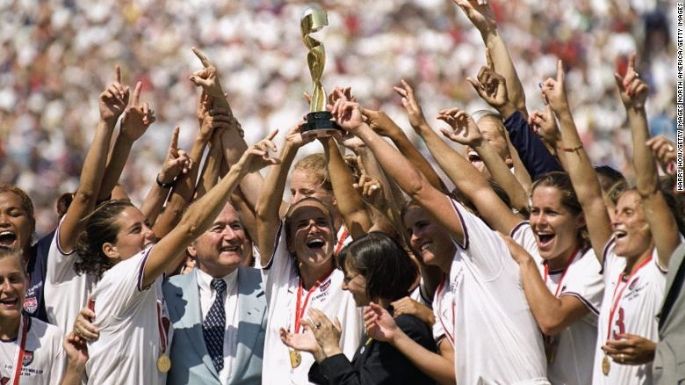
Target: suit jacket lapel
{"x":674,"y":264}
{"x":250,"y":312}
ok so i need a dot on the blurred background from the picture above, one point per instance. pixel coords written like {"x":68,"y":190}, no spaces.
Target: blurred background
{"x":57,"y":56}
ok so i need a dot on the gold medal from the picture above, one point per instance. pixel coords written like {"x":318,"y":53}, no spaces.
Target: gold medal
{"x":295,"y":358}
{"x":163,"y":363}
{"x":606,"y":365}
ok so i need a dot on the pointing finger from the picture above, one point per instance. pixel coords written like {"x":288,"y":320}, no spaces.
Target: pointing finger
{"x":560,"y":71}
{"x":203,"y":58}
{"x":174,"y":138}
{"x":136,"y":93}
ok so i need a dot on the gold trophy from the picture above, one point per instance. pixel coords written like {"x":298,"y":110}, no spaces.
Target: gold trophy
{"x":319,"y":121}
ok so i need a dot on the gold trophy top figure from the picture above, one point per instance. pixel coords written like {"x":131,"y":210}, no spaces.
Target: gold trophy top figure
{"x":318,"y":119}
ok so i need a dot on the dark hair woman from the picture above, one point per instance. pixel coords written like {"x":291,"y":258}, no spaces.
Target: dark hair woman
{"x":378,"y":270}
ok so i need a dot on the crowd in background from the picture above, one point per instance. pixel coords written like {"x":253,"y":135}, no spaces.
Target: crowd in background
{"x":56,"y":56}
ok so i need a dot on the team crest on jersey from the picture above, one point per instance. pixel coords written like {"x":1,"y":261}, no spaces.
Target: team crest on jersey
{"x":634,"y":283}
{"x":30,"y":304}
{"x":28,"y":358}
{"x":324,"y":286}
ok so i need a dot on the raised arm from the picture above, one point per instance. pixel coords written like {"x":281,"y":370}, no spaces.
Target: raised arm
{"x":112,"y":103}
{"x":380,"y":122}
{"x":134,"y":122}
{"x":169,"y":251}
{"x":271,"y":195}
{"x":213,"y":163}
{"x":583,"y":176}
{"x":553,"y":315}
{"x":663,"y":226}
{"x":349,"y":201}
{"x":492,"y":88}
{"x":467,"y":179}
{"x":471,"y":136}
{"x":481,"y":16}
{"x":411,"y":180}
{"x":176,"y":163}
{"x":184,"y":188}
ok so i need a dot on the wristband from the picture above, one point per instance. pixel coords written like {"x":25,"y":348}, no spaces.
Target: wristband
{"x":573,"y":149}
{"x":166,"y":185}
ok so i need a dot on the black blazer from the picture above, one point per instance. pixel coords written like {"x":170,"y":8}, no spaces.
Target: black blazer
{"x":376,"y":362}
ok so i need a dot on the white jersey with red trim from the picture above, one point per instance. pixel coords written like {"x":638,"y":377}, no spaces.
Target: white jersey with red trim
{"x":44,"y":358}
{"x":281,"y":283}
{"x":66,"y":292}
{"x":444,"y":310}
{"x":635,"y":304}
{"x":129,"y":319}
{"x":498,"y":341}
{"x":570,"y":353}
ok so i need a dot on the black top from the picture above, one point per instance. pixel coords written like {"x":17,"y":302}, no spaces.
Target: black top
{"x":377,"y":362}
{"x":34,"y":303}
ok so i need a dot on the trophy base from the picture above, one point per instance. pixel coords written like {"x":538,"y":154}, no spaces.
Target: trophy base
{"x":320,"y":125}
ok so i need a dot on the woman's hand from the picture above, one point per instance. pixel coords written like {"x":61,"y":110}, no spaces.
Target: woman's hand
{"x":464,"y":129}
{"x":544,"y":124}
{"x":631,"y":88}
{"x":137,"y":117}
{"x":379,"y":324}
{"x":518,"y":253}
{"x":294,"y":137}
{"x":258,"y":156}
{"x":84,"y":330}
{"x":304,"y":341}
{"x":113,"y":100}
{"x":554,"y":90}
{"x":411,"y":105}
{"x":76,"y":350}
{"x":208,"y":77}
{"x":176,"y":163}
{"x":327,"y":333}
{"x":348,"y":115}
{"x":664,"y":151}
{"x":630,"y":349}
{"x":491,"y":87}
{"x":381,"y":123}
{"x":408,"y":306}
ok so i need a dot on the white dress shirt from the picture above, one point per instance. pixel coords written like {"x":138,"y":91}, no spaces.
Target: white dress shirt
{"x":207,"y":295}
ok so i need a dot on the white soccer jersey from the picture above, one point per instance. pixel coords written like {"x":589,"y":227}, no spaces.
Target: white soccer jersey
{"x":635,"y":303}
{"x":498,"y":341}
{"x":444,"y":310}
{"x":130,"y":321}
{"x":571,"y":352}
{"x":44,"y":357}
{"x":66,"y":292}
{"x":281,"y":285}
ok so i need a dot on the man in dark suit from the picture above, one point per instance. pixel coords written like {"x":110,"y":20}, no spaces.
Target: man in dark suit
{"x":669,"y":359}
{"x":217,"y":310}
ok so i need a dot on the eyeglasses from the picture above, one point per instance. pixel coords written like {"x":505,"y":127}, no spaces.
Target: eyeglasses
{"x":347,"y":279}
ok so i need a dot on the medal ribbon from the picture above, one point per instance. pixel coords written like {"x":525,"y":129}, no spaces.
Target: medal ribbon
{"x":162,"y":331}
{"x":299,"y":311}
{"x":617,"y":297}
{"x":341,"y":242}
{"x":21,"y":349}
{"x":442,"y":286}
{"x":563,"y":273}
